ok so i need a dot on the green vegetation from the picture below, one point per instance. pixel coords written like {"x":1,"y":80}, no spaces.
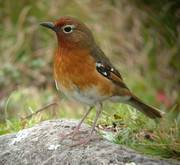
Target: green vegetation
{"x":147,"y":136}
{"x":140,"y":37}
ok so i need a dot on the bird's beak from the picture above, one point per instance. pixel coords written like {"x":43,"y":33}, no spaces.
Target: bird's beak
{"x":49,"y":25}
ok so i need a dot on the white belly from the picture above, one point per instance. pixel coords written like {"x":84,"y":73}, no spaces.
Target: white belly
{"x":89,"y":96}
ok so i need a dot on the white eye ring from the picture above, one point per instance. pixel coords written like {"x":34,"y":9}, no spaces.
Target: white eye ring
{"x":68,"y":28}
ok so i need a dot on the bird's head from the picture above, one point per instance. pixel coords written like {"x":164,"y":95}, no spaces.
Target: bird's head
{"x":71,"y":33}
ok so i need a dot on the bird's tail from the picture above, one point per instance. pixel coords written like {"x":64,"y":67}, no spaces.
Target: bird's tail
{"x":146,"y":109}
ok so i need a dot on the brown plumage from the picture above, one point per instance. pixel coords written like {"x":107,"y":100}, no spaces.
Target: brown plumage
{"x":83,"y":72}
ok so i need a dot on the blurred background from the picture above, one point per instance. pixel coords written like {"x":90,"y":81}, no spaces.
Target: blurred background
{"x":142,"y":39}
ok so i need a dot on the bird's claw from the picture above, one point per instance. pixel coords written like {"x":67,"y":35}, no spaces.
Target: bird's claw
{"x":73,"y":134}
{"x":84,"y":141}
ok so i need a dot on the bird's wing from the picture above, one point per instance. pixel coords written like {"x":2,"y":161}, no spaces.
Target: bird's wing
{"x":104,"y":67}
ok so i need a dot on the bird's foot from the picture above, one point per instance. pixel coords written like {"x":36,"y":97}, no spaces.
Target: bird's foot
{"x":73,"y":134}
{"x":86,"y":140}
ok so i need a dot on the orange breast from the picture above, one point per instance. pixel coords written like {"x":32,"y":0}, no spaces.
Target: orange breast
{"x":76,"y":69}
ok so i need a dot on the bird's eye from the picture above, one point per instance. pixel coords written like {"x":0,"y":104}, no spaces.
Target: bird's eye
{"x":68,"y":29}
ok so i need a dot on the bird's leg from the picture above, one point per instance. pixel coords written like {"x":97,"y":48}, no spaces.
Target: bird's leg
{"x":83,"y":118}
{"x":91,"y":136}
{"x":98,"y":112}
{"x":76,"y":129}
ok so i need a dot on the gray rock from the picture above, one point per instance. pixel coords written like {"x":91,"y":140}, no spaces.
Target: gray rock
{"x":42,"y":145}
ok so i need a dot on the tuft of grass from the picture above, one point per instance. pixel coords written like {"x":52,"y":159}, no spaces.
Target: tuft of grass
{"x":155,"y":137}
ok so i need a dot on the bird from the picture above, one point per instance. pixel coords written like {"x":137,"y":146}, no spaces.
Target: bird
{"x":83,"y":72}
